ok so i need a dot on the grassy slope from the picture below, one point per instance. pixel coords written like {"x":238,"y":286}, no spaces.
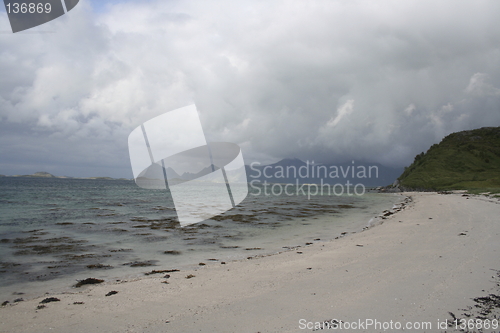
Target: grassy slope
{"x":463,"y":160}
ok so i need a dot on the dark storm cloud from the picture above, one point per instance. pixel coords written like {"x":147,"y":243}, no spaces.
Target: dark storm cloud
{"x":318,"y":80}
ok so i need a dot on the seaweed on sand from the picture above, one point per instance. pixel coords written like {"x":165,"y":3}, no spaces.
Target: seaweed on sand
{"x":141,"y":263}
{"x":162,"y":271}
{"x":99,"y":266}
{"x":50,"y":299}
{"x":173,"y":252}
{"x":88,"y":281}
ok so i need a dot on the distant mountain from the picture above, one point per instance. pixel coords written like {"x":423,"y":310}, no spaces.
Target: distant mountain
{"x":155,"y":171}
{"x":288,"y":171}
{"x":295,"y":170}
{"x":201,"y":173}
{"x":462,"y":160}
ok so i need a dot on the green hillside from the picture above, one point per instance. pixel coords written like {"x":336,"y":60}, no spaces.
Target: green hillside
{"x":464,"y":160}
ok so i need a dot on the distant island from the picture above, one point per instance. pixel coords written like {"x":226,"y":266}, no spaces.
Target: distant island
{"x":467,"y":160}
{"x":43,"y":174}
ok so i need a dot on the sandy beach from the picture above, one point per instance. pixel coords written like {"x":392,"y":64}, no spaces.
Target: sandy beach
{"x":431,"y":258}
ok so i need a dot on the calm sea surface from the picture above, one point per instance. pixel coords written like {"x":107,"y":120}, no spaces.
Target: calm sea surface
{"x":54,"y":232}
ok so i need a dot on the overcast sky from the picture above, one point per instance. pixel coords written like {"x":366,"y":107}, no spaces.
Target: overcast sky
{"x":329,"y":81}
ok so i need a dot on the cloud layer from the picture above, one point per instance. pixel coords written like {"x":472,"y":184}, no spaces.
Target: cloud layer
{"x":319,"y":80}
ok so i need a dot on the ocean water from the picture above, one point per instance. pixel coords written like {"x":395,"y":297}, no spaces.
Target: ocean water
{"x":54,"y":232}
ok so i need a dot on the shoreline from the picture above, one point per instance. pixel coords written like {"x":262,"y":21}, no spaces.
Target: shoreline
{"x":353,"y":276}
{"x":34,"y":289}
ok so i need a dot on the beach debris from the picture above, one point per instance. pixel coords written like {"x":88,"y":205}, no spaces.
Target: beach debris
{"x":40,"y":307}
{"x":162,"y":271}
{"x":309,"y":268}
{"x":173,"y":252}
{"x":50,"y":299}
{"x":360,"y":245}
{"x":309,"y":243}
{"x":113,"y":292}
{"x":222,"y":262}
{"x":78,"y":303}
{"x":462,"y":234}
{"x":190,"y":276}
{"x":317,"y":239}
{"x":299,"y":252}
{"x":486,"y":307}
{"x":17,"y":300}
{"x":88,"y":281}
{"x":166,"y":276}
{"x":5,"y":303}
{"x":141,"y":263}
{"x":253,"y":248}
{"x":201,"y":264}
{"x":99,"y":266}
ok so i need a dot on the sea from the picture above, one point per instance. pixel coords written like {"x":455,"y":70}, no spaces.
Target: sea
{"x":55,"y":232}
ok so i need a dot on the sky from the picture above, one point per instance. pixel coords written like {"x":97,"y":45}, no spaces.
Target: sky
{"x":324,"y":81}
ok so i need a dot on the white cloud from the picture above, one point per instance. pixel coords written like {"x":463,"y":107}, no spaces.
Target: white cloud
{"x":479,"y":86}
{"x":344,"y":110}
{"x":409,"y":109}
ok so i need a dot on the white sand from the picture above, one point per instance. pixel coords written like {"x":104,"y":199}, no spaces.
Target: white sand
{"x":414,"y":270}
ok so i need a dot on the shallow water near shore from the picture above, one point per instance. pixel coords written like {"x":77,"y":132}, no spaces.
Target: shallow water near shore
{"x":54,"y":232}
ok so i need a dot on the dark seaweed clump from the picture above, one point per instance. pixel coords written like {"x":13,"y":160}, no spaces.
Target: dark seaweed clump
{"x":236,"y":218}
{"x":173,"y":252}
{"x":99,"y":266}
{"x":141,"y":263}
{"x":50,"y":299}
{"x":162,"y":271}
{"x":34,"y":245}
{"x":88,"y":281}
{"x":485,"y":307}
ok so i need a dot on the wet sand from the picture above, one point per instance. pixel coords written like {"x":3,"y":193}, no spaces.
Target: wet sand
{"x":432,"y":258}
